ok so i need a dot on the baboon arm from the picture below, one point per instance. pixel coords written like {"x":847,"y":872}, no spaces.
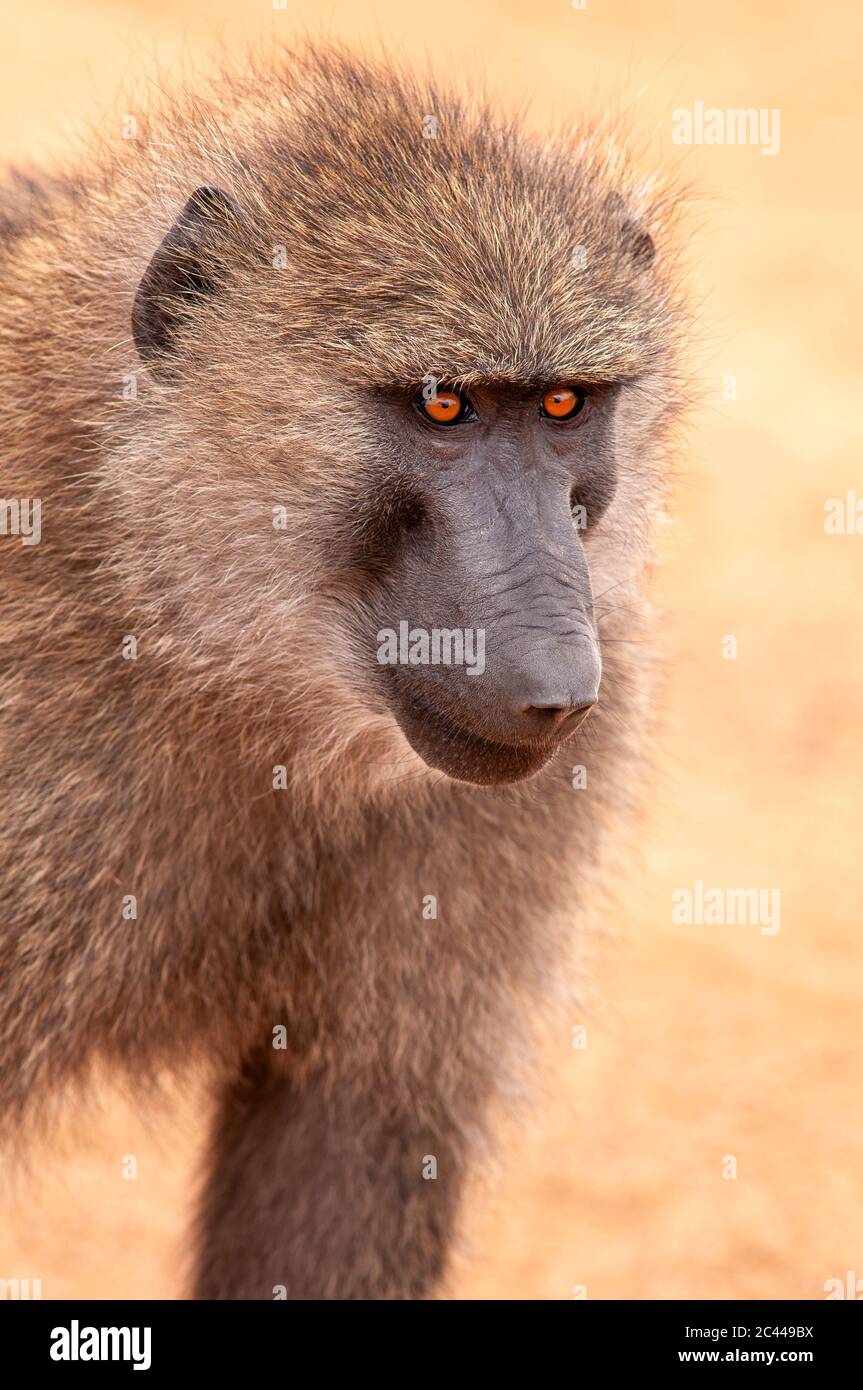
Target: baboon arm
{"x":317,"y":1191}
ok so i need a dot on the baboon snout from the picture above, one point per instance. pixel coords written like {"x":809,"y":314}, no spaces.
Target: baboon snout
{"x":550,"y":696}
{"x":505,"y":721}
{"x":501,"y":662}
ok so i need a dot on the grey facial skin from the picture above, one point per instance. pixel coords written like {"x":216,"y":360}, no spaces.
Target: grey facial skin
{"x":486,"y":535}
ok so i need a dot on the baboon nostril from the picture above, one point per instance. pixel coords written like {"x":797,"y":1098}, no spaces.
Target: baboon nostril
{"x":553,"y":713}
{"x":556,"y":714}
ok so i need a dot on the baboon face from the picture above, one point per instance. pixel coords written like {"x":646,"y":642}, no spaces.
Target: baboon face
{"x":452,"y":386}
{"x":487,"y":648}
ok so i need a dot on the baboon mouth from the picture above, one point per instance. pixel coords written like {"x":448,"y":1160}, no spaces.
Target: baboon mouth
{"x":466,"y":757}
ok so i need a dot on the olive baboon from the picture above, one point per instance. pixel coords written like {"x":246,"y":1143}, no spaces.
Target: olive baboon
{"x":345,"y":401}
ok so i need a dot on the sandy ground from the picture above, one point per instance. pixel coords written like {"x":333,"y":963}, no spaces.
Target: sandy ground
{"x":703,"y":1042}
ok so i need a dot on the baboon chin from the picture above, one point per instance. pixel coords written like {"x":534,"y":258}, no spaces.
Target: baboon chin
{"x":349,"y":429}
{"x":446,"y":747}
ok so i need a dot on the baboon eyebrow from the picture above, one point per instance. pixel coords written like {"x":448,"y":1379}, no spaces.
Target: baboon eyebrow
{"x":528,"y":385}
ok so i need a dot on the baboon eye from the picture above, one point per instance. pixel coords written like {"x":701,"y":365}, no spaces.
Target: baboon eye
{"x":445,"y":408}
{"x":562,"y":403}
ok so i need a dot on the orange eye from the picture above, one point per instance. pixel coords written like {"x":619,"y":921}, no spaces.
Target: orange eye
{"x":562,"y":403}
{"x":445,"y":407}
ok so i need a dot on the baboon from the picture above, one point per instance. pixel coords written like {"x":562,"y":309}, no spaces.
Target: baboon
{"x":330,"y":383}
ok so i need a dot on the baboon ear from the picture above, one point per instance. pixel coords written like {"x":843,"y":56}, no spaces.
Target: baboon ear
{"x":179,"y":272}
{"x":636,"y":241}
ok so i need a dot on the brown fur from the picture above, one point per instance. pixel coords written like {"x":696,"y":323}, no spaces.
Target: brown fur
{"x":153,"y":776}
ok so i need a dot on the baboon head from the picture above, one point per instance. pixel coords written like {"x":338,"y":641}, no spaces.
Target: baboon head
{"x":413,"y":370}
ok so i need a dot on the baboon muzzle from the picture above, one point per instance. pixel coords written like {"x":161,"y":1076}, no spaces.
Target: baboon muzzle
{"x":499,"y":660}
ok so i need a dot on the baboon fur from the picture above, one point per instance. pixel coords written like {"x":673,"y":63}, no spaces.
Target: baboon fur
{"x":481,"y":254}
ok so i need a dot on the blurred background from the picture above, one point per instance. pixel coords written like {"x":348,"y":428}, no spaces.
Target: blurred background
{"x":702,"y":1042}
